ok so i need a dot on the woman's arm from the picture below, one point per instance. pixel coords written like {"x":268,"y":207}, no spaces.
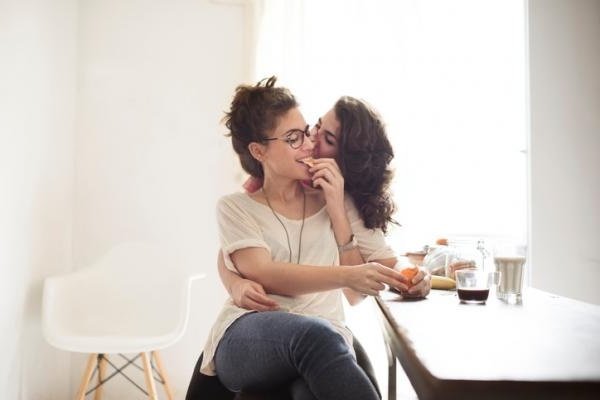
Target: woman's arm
{"x":287,"y":279}
{"x":327,"y":176}
{"x":346,"y":222}
{"x":244,"y":292}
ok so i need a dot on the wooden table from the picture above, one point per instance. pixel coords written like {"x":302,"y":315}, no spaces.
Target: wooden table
{"x":546,"y":348}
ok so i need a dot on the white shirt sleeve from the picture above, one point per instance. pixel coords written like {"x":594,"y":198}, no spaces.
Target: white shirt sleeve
{"x":237,"y":230}
{"x":371,"y":242}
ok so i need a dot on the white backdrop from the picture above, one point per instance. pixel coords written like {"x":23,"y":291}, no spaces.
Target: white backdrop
{"x":38,"y":45}
{"x":109,"y":131}
{"x":150,"y":156}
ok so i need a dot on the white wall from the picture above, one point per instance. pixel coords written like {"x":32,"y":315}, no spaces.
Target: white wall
{"x":37,"y":122}
{"x":564,"y":43}
{"x":142,"y":156}
{"x":151,"y":159}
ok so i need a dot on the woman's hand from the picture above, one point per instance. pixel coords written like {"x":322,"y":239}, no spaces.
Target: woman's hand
{"x":371,"y":278}
{"x":251,"y":296}
{"x":328,"y":177}
{"x":419,"y":285}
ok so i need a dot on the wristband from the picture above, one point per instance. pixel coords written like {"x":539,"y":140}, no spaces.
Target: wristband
{"x":352,"y":244}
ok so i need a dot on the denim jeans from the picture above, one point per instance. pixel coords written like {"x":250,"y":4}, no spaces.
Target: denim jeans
{"x":263,"y":350}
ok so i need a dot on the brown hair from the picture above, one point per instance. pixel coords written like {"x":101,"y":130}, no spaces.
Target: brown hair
{"x":253,"y":112}
{"x":364,"y":155}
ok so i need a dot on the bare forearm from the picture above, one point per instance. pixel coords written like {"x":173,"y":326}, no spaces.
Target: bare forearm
{"x":293,"y":280}
{"x":342,"y":230}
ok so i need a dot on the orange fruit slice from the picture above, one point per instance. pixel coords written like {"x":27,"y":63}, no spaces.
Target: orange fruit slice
{"x":409,"y":273}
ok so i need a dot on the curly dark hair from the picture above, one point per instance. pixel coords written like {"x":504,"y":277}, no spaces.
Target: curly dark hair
{"x":253,"y":112}
{"x":364,"y":155}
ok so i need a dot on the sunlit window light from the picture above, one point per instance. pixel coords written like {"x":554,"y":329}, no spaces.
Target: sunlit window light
{"x":448,"y":78}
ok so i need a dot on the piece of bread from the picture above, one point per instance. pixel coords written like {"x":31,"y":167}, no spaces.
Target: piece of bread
{"x":308,"y":161}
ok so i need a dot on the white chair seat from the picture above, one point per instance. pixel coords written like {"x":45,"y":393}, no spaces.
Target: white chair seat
{"x":112,"y":344}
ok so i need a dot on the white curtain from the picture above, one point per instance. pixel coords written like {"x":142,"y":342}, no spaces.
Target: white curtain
{"x":448,"y":78}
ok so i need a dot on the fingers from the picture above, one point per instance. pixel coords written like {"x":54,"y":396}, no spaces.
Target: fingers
{"x":389,"y":272}
{"x":262,"y":299}
{"x":391,"y":277}
{"x":395,"y":284}
{"x":250,"y":304}
{"x":371,"y":278}
{"x":373,"y":287}
{"x":421,"y":284}
{"x":328,"y":175}
{"x":328,"y":170}
{"x":325,"y":179}
{"x":321,"y":183}
{"x":418,"y":277}
{"x":421,"y":288}
{"x":252,"y":296}
{"x":405,"y":281}
{"x":326,"y":162}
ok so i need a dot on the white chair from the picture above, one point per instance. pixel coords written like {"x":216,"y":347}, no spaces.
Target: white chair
{"x":133,"y":300}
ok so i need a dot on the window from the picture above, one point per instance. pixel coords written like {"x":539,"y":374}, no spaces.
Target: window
{"x":448,"y":78}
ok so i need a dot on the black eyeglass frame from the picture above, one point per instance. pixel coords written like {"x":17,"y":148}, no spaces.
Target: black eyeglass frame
{"x":286,"y":137}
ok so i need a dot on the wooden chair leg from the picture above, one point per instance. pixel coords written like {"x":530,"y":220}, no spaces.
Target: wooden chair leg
{"x":163,"y":374}
{"x":149,"y":377}
{"x":87,"y":375}
{"x":101,"y":374}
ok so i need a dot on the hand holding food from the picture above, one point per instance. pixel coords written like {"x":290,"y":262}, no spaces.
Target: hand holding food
{"x":327,"y":176}
{"x":418,"y":281}
{"x":371,"y":278}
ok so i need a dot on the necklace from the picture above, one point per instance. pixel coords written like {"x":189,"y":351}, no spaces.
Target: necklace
{"x":287,"y":236}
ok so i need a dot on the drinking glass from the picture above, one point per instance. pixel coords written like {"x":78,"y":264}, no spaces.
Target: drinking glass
{"x":473,"y":286}
{"x":510,"y":269}
{"x":509,"y":263}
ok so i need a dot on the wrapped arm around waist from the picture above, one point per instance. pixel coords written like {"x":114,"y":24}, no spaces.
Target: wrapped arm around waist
{"x":292,"y":279}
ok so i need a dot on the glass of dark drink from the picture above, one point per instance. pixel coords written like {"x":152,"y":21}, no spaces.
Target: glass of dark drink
{"x":473,"y":286}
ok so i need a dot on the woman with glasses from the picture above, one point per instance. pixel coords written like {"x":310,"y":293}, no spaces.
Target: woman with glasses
{"x":281,"y":238}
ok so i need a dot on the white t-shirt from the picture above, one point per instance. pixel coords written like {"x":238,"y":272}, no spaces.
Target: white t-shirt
{"x":244,"y":222}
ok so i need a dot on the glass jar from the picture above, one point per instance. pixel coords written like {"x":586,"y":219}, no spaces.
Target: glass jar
{"x":466,"y":253}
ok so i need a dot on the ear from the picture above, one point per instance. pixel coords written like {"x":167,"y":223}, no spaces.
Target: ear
{"x":257,"y":151}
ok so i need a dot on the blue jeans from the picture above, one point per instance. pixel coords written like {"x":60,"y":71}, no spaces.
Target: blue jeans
{"x":263,"y":350}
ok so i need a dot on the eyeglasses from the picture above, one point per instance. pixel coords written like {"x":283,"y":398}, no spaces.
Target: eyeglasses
{"x":294,"y":137}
